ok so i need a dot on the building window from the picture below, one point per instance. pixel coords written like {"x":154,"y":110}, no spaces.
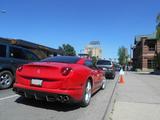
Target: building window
{"x":151,"y":64}
{"x":151,"y":47}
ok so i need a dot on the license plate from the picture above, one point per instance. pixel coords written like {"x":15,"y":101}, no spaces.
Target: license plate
{"x":37,"y":82}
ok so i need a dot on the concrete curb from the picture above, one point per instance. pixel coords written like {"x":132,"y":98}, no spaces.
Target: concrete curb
{"x":111,"y":102}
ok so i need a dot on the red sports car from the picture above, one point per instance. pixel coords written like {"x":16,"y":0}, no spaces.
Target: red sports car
{"x":61,"y":78}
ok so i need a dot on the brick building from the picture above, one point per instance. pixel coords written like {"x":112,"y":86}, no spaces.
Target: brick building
{"x":145,"y":49}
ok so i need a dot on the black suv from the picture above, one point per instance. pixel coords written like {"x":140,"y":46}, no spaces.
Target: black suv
{"x":11,"y":57}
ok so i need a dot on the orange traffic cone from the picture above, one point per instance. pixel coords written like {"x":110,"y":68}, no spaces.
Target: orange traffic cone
{"x":121,"y":79}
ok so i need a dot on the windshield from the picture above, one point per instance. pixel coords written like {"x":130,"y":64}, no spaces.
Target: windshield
{"x":103,"y":62}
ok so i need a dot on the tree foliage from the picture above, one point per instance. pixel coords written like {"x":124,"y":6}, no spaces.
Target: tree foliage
{"x":94,"y":59}
{"x":67,"y":50}
{"x":157,"y":60}
{"x":158,"y":32}
{"x":122,"y":57}
{"x":158,"y":27}
{"x":90,"y":53}
{"x":157,"y":57}
{"x":158,"y":18}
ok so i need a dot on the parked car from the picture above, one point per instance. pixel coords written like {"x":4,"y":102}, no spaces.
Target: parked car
{"x":108,"y":67}
{"x":11,"y":57}
{"x":60,"y":78}
{"x":117,"y":67}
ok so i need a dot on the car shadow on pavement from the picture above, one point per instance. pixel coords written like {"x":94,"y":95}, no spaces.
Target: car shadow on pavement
{"x":48,"y":105}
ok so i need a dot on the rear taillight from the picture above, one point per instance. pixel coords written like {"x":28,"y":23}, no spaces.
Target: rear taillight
{"x":20,"y":68}
{"x":66,"y":70}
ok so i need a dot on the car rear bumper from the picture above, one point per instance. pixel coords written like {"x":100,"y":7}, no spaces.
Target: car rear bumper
{"x":48,"y":94}
{"x":109,"y":74}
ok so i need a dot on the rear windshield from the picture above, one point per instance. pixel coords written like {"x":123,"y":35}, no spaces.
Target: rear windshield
{"x":62,"y":59}
{"x":103,"y":62}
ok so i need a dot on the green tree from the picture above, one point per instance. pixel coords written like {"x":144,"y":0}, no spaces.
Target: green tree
{"x":90,"y":53}
{"x":158,"y":33}
{"x":122,"y":55}
{"x":94,"y":59}
{"x":158,"y":27}
{"x":157,"y":57}
{"x":67,"y":50}
{"x":158,"y":18}
{"x":157,"y":61}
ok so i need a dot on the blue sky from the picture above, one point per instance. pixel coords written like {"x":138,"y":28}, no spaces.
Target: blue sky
{"x":77,"y":22}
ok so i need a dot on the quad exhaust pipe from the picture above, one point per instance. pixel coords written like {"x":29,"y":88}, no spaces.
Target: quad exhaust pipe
{"x":66,"y":99}
{"x":63,"y":99}
{"x":58,"y":98}
{"x":49,"y":98}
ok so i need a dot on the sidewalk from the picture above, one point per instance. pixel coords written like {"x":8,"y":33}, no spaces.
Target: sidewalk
{"x":138,"y":98}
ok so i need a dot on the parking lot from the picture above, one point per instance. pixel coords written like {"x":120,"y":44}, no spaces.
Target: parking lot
{"x":15,"y":107}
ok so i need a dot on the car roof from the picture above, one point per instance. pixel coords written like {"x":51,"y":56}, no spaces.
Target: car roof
{"x":11,"y":45}
{"x":105,"y":60}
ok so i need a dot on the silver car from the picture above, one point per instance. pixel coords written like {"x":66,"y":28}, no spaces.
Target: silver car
{"x":108,"y":67}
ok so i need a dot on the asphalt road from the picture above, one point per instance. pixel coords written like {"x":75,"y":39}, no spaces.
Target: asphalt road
{"x":138,"y":98}
{"x":14,"y":107}
{"x":6,"y":93}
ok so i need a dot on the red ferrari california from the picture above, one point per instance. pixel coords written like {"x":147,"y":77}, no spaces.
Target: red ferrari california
{"x":61,"y":78}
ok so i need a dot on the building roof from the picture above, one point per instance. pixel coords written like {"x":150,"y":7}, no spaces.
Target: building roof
{"x":148,"y":36}
{"x":94,"y":44}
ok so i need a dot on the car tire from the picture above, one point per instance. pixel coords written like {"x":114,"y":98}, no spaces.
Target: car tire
{"x":87,"y":94}
{"x":6,"y":79}
{"x":104,"y":83}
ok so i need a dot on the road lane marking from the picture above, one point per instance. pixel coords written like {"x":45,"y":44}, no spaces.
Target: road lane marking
{"x":8,"y":97}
